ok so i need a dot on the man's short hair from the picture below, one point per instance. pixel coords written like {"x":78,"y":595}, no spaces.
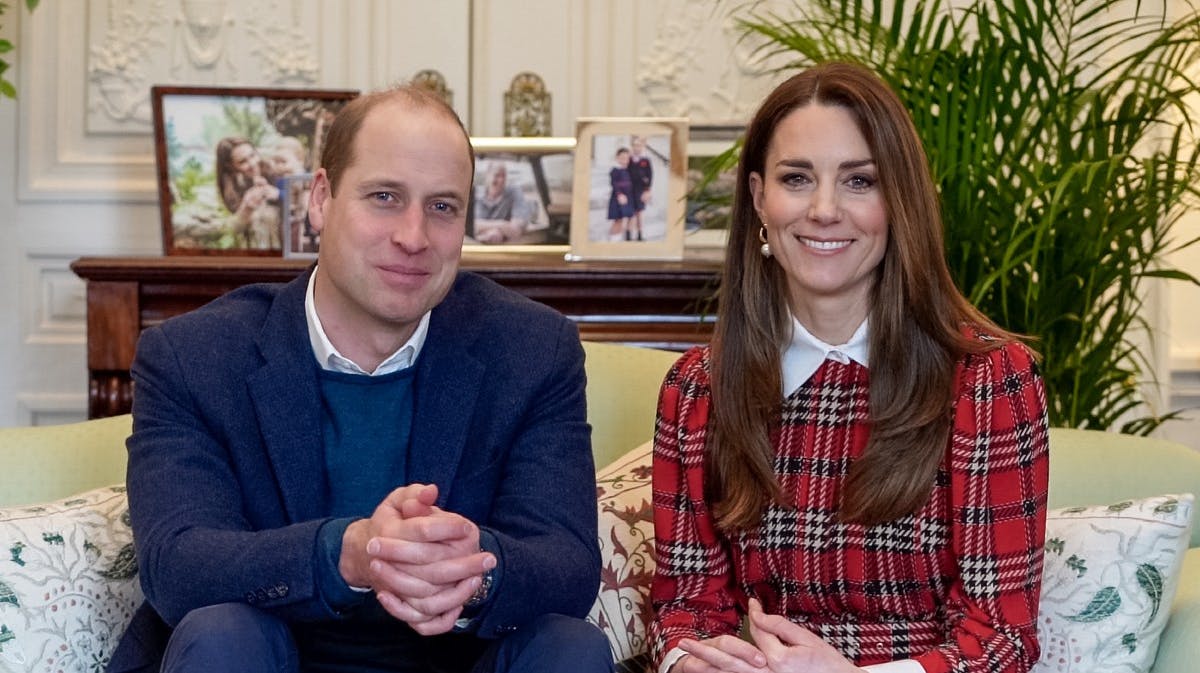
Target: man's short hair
{"x":338,"y":153}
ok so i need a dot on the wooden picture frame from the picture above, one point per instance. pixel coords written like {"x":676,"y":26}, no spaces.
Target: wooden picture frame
{"x":626,"y":207}
{"x":220,"y":155}
{"x":521,"y":197}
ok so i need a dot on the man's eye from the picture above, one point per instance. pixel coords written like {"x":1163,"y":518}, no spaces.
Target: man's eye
{"x":444,"y":207}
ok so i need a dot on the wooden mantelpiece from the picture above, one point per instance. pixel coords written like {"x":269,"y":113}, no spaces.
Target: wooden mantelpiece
{"x":660,"y":304}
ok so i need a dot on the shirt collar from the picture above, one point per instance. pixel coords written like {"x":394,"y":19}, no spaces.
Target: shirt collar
{"x":330,"y":359}
{"x":805,"y":353}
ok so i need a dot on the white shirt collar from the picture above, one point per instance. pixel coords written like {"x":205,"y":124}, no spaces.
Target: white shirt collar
{"x":330,"y":359}
{"x":804,"y":355}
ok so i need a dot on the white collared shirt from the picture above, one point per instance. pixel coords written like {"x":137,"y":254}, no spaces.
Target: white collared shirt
{"x":330,"y":359}
{"x":804,"y":355}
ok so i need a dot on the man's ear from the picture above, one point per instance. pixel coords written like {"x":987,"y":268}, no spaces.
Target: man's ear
{"x":318,"y":198}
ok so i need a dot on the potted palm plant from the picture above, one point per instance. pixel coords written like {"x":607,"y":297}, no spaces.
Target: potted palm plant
{"x":1059,"y":134}
{"x":6,"y":87}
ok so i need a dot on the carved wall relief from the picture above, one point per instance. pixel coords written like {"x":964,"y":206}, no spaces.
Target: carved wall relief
{"x":119,"y":64}
{"x":134,"y":44}
{"x":698,"y":66}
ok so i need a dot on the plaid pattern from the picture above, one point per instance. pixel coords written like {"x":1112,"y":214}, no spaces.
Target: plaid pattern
{"x":954,"y":586}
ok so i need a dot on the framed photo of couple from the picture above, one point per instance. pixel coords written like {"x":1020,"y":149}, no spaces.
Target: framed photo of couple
{"x":235,"y":166}
{"x":629,"y":188}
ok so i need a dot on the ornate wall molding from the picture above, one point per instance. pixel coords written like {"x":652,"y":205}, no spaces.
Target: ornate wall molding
{"x":57,"y":313}
{"x":87,"y":69}
{"x":697,"y":66}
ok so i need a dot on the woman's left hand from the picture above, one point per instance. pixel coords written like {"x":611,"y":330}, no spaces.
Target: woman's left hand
{"x":792,"y":648}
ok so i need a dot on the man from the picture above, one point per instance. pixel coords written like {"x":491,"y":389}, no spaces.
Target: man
{"x":273,"y":426}
{"x":642,"y":174}
{"x":501,"y":212}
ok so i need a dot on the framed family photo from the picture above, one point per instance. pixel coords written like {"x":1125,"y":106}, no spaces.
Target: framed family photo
{"x":521,"y":197}
{"x":629,"y":188}
{"x":234,"y":166}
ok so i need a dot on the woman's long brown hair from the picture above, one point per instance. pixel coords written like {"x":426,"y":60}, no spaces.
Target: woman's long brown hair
{"x":916,"y":321}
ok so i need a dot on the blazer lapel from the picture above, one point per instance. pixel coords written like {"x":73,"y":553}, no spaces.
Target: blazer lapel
{"x":288,"y":403}
{"x":449,"y":377}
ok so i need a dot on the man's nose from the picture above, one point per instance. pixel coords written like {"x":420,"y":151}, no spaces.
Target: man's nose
{"x":408,"y":229}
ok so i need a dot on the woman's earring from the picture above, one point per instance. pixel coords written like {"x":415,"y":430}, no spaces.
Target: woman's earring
{"x":762,"y":236}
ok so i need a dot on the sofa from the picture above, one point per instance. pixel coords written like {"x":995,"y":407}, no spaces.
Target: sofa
{"x":1120,"y":518}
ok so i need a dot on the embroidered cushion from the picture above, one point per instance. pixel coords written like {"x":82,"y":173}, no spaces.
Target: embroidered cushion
{"x":622,"y":608}
{"x":1110,"y":576}
{"x":68,"y":585}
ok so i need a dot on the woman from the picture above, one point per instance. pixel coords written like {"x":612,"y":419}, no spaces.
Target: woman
{"x":858,"y":463}
{"x":247,"y":190}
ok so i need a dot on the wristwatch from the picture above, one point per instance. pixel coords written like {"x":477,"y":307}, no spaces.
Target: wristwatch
{"x":481,"y":594}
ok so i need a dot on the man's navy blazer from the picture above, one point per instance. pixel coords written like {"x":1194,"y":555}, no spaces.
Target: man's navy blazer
{"x":226,"y":482}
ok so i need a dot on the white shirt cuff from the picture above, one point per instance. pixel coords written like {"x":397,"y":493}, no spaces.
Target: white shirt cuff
{"x":672,"y":657}
{"x":898,"y":666}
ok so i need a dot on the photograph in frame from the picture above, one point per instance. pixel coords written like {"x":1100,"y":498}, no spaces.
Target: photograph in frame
{"x":521,"y":197}
{"x":299,"y":238}
{"x":709,"y":206}
{"x":223,"y":156}
{"x":629,"y":190}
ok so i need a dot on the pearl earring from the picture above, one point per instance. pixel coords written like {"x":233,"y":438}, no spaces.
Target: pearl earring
{"x":762,"y":236}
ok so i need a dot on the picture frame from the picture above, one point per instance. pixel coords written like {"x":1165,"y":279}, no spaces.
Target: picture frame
{"x":622,"y":209}
{"x":521,"y":196}
{"x":221,"y":155}
{"x":709,"y":207}
{"x":299,"y":238}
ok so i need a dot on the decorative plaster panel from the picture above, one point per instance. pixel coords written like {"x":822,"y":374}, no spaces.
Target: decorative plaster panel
{"x":696,"y":65}
{"x":134,"y":44}
{"x":87,"y":69}
{"x":50,"y":408}
{"x":57,"y":312}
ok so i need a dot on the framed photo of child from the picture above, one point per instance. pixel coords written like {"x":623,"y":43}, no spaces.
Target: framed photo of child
{"x":630,"y":182}
{"x":226,"y":158}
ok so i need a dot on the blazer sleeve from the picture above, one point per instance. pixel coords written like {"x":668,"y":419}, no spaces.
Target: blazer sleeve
{"x":999,"y":469}
{"x":195,"y":545}
{"x":543,"y":520}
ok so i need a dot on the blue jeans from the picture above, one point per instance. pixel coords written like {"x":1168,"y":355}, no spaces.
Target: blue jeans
{"x":236,"y":638}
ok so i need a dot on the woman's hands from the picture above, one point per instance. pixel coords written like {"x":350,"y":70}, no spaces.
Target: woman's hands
{"x":779,"y":647}
{"x":723,"y":654}
{"x":791,"y":648}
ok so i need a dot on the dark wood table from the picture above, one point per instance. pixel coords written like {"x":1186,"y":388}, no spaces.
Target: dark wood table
{"x":658,"y":304}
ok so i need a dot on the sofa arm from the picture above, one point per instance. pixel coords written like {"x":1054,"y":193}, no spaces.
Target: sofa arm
{"x":68,"y":582}
{"x":1179,"y":646}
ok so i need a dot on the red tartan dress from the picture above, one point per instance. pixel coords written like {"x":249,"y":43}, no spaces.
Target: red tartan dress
{"x":954,"y":586}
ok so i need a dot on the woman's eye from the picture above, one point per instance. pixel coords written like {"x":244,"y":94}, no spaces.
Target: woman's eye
{"x":861,"y":182}
{"x":795,"y":179}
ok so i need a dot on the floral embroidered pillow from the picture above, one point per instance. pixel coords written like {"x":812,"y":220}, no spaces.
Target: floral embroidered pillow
{"x":68,"y":584}
{"x":1110,"y":575}
{"x":627,"y":549}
